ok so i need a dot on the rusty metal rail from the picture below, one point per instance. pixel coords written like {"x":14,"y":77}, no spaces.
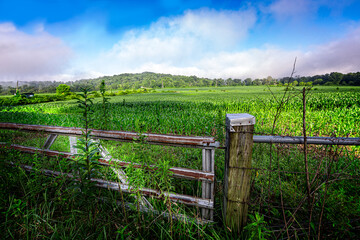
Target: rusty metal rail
{"x":177,"y":172}
{"x":184,"y":141}
{"x":207,"y":144}
{"x":309,"y":140}
{"x":181,"y":198}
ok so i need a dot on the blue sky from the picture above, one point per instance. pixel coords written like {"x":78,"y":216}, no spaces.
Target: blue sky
{"x":68,"y":40}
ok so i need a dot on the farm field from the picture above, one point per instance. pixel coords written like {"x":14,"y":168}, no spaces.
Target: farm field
{"x":330,"y":111}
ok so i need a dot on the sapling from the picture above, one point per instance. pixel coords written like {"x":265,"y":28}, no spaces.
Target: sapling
{"x":86,"y":163}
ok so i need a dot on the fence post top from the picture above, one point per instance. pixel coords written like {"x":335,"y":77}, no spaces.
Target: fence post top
{"x":239,"y":119}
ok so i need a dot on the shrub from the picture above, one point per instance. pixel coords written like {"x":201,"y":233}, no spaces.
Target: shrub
{"x":63,"y":89}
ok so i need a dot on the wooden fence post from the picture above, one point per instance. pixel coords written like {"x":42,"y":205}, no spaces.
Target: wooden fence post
{"x":237,"y":176}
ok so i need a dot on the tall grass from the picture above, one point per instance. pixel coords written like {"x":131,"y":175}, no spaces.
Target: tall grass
{"x":34,"y":206}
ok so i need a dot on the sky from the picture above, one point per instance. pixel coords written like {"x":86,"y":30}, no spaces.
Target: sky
{"x":62,"y":40}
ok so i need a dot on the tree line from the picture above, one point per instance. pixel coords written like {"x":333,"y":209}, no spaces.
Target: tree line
{"x":158,"y":80}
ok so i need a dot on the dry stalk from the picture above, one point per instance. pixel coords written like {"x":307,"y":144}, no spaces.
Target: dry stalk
{"x":306,"y":161}
{"x":281,"y":198}
{"x":305,"y":197}
{"x":284,"y":99}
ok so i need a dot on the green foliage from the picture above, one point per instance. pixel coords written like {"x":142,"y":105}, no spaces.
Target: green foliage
{"x":163,"y":177}
{"x":148,"y":80}
{"x":22,"y":100}
{"x":86,"y":162}
{"x":188,"y":112}
{"x":102,"y":88}
{"x":196,"y":111}
{"x":63,"y":89}
{"x":257,"y":229}
{"x":87,"y":159}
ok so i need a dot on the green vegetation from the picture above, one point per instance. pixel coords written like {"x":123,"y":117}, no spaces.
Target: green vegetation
{"x":21,"y":99}
{"x":63,"y":89}
{"x":35,"y":206}
{"x":160,"y":81}
{"x":198,"y":111}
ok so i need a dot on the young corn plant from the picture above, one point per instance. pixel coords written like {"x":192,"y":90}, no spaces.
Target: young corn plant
{"x":86,"y":163}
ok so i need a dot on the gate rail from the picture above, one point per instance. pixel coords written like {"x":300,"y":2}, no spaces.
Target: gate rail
{"x":238,"y":158}
{"x":206,"y":175}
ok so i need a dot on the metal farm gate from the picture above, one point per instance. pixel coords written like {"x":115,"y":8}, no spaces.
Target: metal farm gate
{"x":206,"y":175}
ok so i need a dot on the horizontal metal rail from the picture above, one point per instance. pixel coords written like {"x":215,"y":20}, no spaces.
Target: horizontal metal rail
{"x":177,"y":172}
{"x":309,"y":140}
{"x":174,"y":140}
{"x":174,"y":215}
{"x":181,"y":198}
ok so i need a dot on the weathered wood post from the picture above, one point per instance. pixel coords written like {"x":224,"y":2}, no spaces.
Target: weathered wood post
{"x":239,"y":143}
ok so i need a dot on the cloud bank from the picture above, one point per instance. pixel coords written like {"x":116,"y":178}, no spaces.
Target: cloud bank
{"x":208,"y":43}
{"x":178,"y":42}
{"x":342,"y":55}
{"x":30,"y":56}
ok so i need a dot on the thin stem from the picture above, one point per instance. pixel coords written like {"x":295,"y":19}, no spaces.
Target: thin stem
{"x":306,"y":159}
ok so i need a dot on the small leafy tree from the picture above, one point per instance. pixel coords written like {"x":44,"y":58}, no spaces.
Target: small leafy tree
{"x":87,"y":159}
{"x":63,"y":89}
{"x":18,"y":99}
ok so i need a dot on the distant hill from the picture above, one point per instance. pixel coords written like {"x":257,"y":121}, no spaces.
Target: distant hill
{"x":147,"y":80}
{"x":159,"y":80}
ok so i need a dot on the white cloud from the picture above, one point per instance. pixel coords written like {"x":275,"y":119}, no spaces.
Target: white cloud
{"x":204,"y":43}
{"x":342,"y":55}
{"x":178,"y":41}
{"x":30,"y":56}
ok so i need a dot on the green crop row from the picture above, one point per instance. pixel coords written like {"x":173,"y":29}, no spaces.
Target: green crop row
{"x":203,"y":113}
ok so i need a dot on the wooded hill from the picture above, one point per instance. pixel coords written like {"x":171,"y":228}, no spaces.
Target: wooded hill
{"x":158,"y":80}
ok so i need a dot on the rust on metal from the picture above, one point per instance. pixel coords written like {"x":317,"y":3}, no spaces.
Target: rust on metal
{"x":115,"y":135}
{"x":177,"y":172}
{"x":49,"y":141}
{"x":181,"y":198}
{"x":174,"y":215}
{"x":309,"y":140}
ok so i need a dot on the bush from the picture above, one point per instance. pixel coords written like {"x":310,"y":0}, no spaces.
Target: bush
{"x":63,"y":89}
{"x":95,"y":94}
